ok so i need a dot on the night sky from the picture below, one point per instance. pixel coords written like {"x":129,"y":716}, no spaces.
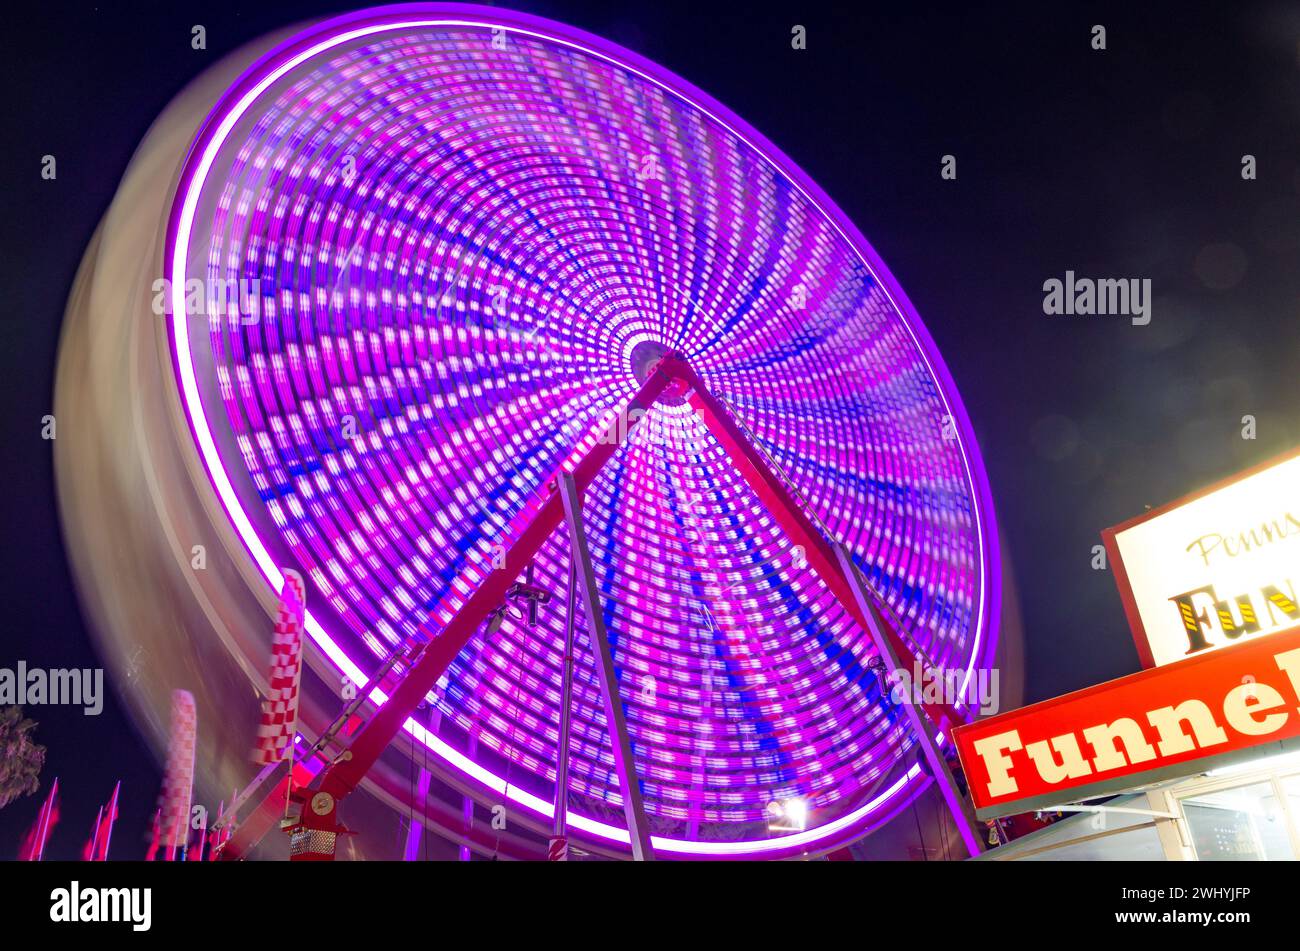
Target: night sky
{"x":1122,"y":163}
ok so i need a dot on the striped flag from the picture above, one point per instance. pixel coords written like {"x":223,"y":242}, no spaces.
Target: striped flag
{"x":33,"y":847}
{"x":178,"y":779}
{"x":89,"y":849}
{"x":105,"y":834}
{"x":280,"y":708}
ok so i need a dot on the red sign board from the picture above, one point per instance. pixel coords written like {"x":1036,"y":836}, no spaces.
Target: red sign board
{"x":1177,"y":720}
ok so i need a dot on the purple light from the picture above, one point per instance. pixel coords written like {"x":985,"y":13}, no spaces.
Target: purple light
{"x":460,"y":238}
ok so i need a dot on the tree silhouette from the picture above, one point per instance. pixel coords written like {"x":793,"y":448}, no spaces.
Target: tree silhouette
{"x":21,"y":758}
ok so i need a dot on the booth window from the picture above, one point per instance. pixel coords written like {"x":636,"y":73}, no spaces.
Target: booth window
{"x":1250,"y":821}
{"x":1250,"y":814}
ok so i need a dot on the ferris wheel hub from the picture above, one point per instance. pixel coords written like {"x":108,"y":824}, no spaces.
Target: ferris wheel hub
{"x":645,"y":357}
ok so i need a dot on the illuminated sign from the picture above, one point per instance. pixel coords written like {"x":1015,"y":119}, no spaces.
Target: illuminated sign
{"x":1215,"y":708}
{"x":1214,"y":568}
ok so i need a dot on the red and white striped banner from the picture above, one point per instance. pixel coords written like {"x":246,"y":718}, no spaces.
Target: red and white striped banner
{"x":558,"y":849}
{"x":178,"y":780}
{"x":280,"y":708}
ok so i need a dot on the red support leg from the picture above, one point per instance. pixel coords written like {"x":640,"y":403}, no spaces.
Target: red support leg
{"x":266,"y":814}
{"x":672,"y":375}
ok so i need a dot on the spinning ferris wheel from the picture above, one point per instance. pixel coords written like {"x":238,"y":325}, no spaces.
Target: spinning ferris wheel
{"x":541,"y":353}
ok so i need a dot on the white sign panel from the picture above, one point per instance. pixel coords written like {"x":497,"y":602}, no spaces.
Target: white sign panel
{"x":1215,"y":568}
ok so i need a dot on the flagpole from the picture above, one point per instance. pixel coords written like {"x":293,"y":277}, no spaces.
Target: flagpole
{"x":94,"y":838}
{"x":288,"y":790}
{"x":40,"y":830}
{"x":112,"y":817}
{"x":152,"y":854}
{"x":191,"y":856}
{"x":43,"y":830}
{"x":228,"y":831}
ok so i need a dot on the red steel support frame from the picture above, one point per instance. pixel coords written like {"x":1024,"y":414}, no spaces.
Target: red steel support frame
{"x":320,"y":812}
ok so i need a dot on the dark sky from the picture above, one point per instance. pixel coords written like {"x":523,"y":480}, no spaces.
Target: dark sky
{"x":1117,"y":163}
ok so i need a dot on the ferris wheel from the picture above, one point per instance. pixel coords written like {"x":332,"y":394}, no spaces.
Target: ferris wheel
{"x":529,"y":351}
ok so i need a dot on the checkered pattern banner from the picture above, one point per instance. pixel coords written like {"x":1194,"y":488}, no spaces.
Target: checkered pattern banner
{"x":280,"y":708}
{"x":178,"y":780}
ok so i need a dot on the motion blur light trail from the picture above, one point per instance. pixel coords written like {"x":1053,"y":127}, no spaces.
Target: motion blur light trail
{"x":466,"y":229}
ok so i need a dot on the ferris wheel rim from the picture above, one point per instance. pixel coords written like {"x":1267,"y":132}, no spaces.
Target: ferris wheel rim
{"x":330,"y":33}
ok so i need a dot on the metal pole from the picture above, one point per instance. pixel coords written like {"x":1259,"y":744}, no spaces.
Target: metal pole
{"x":924,"y":733}
{"x":94,"y":839}
{"x":238,"y":803}
{"x":624,"y":764}
{"x":566,"y":703}
{"x":112,"y":817}
{"x":416,"y":831}
{"x":467,"y":803}
{"x":46,"y":809}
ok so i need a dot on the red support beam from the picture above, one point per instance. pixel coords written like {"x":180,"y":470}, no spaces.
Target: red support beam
{"x":266,"y":815}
